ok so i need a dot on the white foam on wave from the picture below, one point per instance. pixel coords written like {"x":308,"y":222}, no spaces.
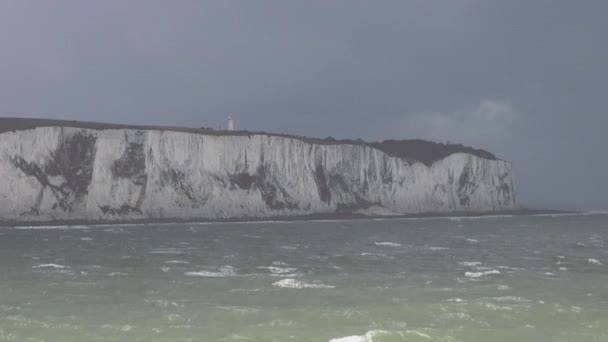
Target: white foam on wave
{"x":472,"y":240}
{"x":167,"y":251}
{"x":510,"y":268}
{"x":515,"y":299}
{"x":225,"y":271}
{"x":277,"y":323}
{"x":481,"y":274}
{"x":455,"y":300}
{"x":367,"y":337}
{"x":162,"y":303}
{"x":117,"y":274}
{"x":495,"y":307}
{"x":242,"y":310}
{"x":388,"y":244}
{"x":456,"y":316}
{"x":291,"y":283}
{"x":471,"y":218}
{"x":470,"y":263}
{"x":434,"y":248}
{"x":245,"y":290}
{"x":176,"y":262}
{"x":594,"y":262}
{"x":278,"y":270}
{"x":121,"y":328}
{"x":114,"y":230}
{"x":56,"y":266}
{"x":378,"y":255}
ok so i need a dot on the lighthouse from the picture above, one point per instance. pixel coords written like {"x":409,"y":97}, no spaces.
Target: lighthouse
{"x":230,"y":124}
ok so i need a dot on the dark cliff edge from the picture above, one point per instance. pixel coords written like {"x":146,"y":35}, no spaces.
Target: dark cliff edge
{"x":423,"y":151}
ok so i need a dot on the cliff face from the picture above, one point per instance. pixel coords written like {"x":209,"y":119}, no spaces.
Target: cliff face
{"x":51,"y":173}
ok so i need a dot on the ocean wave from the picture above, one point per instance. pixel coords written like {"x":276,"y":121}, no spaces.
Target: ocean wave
{"x":378,"y":255}
{"x":470,"y":263}
{"x":367,"y":337}
{"x":594,"y":262}
{"x":509,"y":268}
{"x":10,"y":308}
{"x":56,"y":266}
{"x":245,"y":290}
{"x":481,"y":274}
{"x":225,"y":271}
{"x":346,"y":313}
{"x":121,"y":328}
{"x":176,"y":262}
{"x":388,"y":244}
{"x":495,"y":307}
{"x":371,"y":336}
{"x":279,"y":270}
{"x":456,"y":316}
{"x":434,"y":248}
{"x":242,"y":310}
{"x":167,"y":251}
{"x":162,"y":303}
{"x":277,"y":323}
{"x":514,"y":299}
{"x":291,"y":283}
{"x":117,"y":274}
{"x":455,"y":300}
{"x":114,"y":230}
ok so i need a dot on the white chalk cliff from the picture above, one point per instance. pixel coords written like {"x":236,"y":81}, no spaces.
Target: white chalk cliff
{"x":62,"y":173}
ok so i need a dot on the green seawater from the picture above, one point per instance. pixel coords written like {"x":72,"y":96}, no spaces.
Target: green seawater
{"x":542,"y":278}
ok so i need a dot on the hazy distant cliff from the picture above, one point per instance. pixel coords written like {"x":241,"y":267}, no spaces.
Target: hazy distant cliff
{"x":117,"y":173}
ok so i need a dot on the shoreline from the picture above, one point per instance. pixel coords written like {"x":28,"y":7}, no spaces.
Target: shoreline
{"x":300,"y":218}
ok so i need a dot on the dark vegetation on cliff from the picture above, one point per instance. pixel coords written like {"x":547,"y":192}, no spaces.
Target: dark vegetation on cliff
{"x":426,"y":152}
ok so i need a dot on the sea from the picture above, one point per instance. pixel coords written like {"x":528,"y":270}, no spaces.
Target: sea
{"x":505,"y":278}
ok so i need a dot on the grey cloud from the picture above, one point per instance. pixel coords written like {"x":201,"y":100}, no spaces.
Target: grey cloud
{"x":524,"y":79}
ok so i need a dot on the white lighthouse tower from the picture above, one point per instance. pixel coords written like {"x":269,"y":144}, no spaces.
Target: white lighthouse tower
{"x":230,"y":124}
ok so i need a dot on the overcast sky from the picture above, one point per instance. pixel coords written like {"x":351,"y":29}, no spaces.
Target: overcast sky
{"x":523,"y":79}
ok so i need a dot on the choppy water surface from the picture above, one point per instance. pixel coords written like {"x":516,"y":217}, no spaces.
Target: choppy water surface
{"x":491,"y":279}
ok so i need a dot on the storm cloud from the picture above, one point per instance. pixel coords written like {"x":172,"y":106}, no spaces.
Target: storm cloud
{"x":523,"y":79}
